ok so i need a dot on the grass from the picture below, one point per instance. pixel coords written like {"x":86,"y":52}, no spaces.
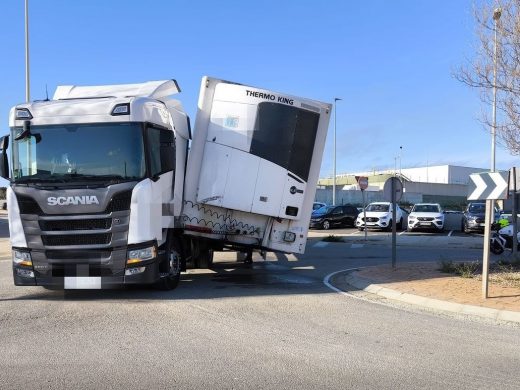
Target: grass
{"x":504,"y":272}
{"x":332,"y":238}
{"x":465,"y":270}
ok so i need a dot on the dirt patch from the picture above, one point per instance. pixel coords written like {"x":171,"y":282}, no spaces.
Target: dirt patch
{"x":425,"y":280}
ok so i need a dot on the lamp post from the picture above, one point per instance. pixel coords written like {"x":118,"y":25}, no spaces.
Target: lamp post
{"x":490,"y":209}
{"x":334,"y":179}
{"x":27,"y":81}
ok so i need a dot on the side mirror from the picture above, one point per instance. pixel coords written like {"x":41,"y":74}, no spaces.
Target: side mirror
{"x":4,"y":164}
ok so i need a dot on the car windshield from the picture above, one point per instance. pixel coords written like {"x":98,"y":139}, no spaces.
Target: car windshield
{"x":426,"y":208}
{"x":477,"y":208}
{"x":378,"y":207}
{"x":72,"y":153}
{"x":324,"y":210}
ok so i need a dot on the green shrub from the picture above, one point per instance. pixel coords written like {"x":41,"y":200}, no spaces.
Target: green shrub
{"x":447,"y":266}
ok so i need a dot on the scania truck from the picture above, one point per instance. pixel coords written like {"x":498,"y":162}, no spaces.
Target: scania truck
{"x":108,"y":187}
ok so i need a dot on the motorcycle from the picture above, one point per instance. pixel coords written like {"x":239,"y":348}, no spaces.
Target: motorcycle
{"x":502,"y":239}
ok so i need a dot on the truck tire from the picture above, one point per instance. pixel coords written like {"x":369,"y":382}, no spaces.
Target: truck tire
{"x":174,"y":254}
{"x":202,"y":254}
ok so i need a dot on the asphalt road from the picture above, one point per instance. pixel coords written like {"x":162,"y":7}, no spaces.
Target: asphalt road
{"x":272,"y":325}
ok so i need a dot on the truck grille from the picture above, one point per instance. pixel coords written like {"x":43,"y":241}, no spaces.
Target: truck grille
{"x":77,"y":239}
{"x":76,"y":224}
{"x":28,"y":205}
{"x":120,"y":202}
{"x":78,"y":255}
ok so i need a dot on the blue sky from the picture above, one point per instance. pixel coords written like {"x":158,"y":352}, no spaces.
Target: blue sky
{"x":390,"y":61}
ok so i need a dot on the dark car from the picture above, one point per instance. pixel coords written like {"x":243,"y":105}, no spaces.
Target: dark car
{"x":329,"y":216}
{"x":474,"y":217}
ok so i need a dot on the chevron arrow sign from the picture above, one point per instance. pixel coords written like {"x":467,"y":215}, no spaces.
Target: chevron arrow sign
{"x":488,"y":185}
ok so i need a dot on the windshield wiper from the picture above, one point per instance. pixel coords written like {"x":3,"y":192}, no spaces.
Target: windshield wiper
{"x":110,"y":178}
{"x":30,"y":179}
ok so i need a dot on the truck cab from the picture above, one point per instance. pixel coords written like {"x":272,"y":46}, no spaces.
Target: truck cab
{"x":91,"y":172}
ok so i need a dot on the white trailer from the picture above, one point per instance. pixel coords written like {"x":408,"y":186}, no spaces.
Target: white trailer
{"x":106,"y":190}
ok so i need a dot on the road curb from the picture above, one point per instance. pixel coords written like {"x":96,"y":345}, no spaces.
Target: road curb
{"x":417,"y":300}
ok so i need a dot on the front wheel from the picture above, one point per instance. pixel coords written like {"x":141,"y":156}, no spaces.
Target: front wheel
{"x":389,"y":227}
{"x":172,"y":267}
{"x":325,"y":225}
{"x":496,"y":248}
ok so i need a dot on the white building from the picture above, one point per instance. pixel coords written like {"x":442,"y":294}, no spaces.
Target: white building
{"x":441,"y":174}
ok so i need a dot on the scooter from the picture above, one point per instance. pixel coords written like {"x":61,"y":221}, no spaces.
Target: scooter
{"x":502,"y":239}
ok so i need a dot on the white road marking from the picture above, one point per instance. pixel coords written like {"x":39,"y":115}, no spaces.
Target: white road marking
{"x":403,"y":232}
{"x":307,"y":267}
{"x":320,"y":244}
{"x":450,"y":233}
{"x":357,"y":246}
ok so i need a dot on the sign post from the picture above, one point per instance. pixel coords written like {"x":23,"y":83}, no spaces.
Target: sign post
{"x":487,"y":186}
{"x":363,"y":185}
{"x":393,"y":191}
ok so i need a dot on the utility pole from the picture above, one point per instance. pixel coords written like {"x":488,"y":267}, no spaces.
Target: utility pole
{"x":27,"y":81}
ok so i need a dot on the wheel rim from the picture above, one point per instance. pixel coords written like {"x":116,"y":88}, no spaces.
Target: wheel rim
{"x":326,"y":225}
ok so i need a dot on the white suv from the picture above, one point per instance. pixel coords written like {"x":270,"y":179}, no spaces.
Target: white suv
{"x":426,"y":216}
{"x":379,"y":215}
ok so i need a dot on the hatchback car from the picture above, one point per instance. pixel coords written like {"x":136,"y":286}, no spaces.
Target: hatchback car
{"x":427,"y":216}
{"x":329,"y":216}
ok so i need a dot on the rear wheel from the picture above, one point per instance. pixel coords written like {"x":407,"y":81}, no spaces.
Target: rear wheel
{"x":202,"y":254}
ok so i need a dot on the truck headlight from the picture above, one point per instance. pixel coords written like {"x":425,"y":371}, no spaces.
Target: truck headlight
{"x":136,"y":256}
{"x":22,"y":258}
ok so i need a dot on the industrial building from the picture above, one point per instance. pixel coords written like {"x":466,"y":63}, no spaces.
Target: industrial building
{"x":444,"y":184}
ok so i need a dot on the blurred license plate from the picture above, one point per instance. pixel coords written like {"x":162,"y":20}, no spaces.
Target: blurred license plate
{"x":82,"y":283}
{"x":425,"y":223}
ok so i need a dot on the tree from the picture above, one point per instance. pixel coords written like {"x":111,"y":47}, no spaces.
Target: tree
{"x":479,"y":74}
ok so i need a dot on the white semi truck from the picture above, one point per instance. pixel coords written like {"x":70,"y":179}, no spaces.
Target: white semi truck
{"x":106,"y":190}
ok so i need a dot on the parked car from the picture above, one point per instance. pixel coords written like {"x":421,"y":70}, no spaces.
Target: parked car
{"x":379,"y":215}
{"x":317,"y":205}
{"x":329,"y":216}
{"x":429,"y":216}
{"x":473,"y":218}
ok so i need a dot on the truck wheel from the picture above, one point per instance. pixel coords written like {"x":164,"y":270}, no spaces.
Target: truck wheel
{"x":202,"y":254}
{"x":170,"y":280}
{"x":325,"y":225}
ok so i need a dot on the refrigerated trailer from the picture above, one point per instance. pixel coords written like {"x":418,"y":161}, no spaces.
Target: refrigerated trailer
{"x":106,"y":188}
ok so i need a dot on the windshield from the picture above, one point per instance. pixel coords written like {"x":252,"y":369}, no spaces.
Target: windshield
{"x":324,"y":210}
{"x":378,"y":207}
{"x":426,"y":208}
{"x":477,"y":208}
{"x":79,"y":152}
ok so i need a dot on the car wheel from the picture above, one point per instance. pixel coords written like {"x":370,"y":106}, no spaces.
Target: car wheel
{"x":361,"y":228}
{"x":400,"y":224}
{"x":325,"y":225}
{"x":409,"y":229}
{"x":465,"y":228}
{"x":389,"y":227}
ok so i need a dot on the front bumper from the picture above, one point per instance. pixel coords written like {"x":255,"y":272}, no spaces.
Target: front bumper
{"x":85,"y":273}
{"x":379,"y":224}
{"x":426,"y":225}
{"x":315,"y":224}
{"x":475,"y":225}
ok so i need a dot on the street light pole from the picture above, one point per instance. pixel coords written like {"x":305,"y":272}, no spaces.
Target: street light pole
{"x":334,"y":179}
{"x":27,"y":81}
{"x":490,"y":206}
